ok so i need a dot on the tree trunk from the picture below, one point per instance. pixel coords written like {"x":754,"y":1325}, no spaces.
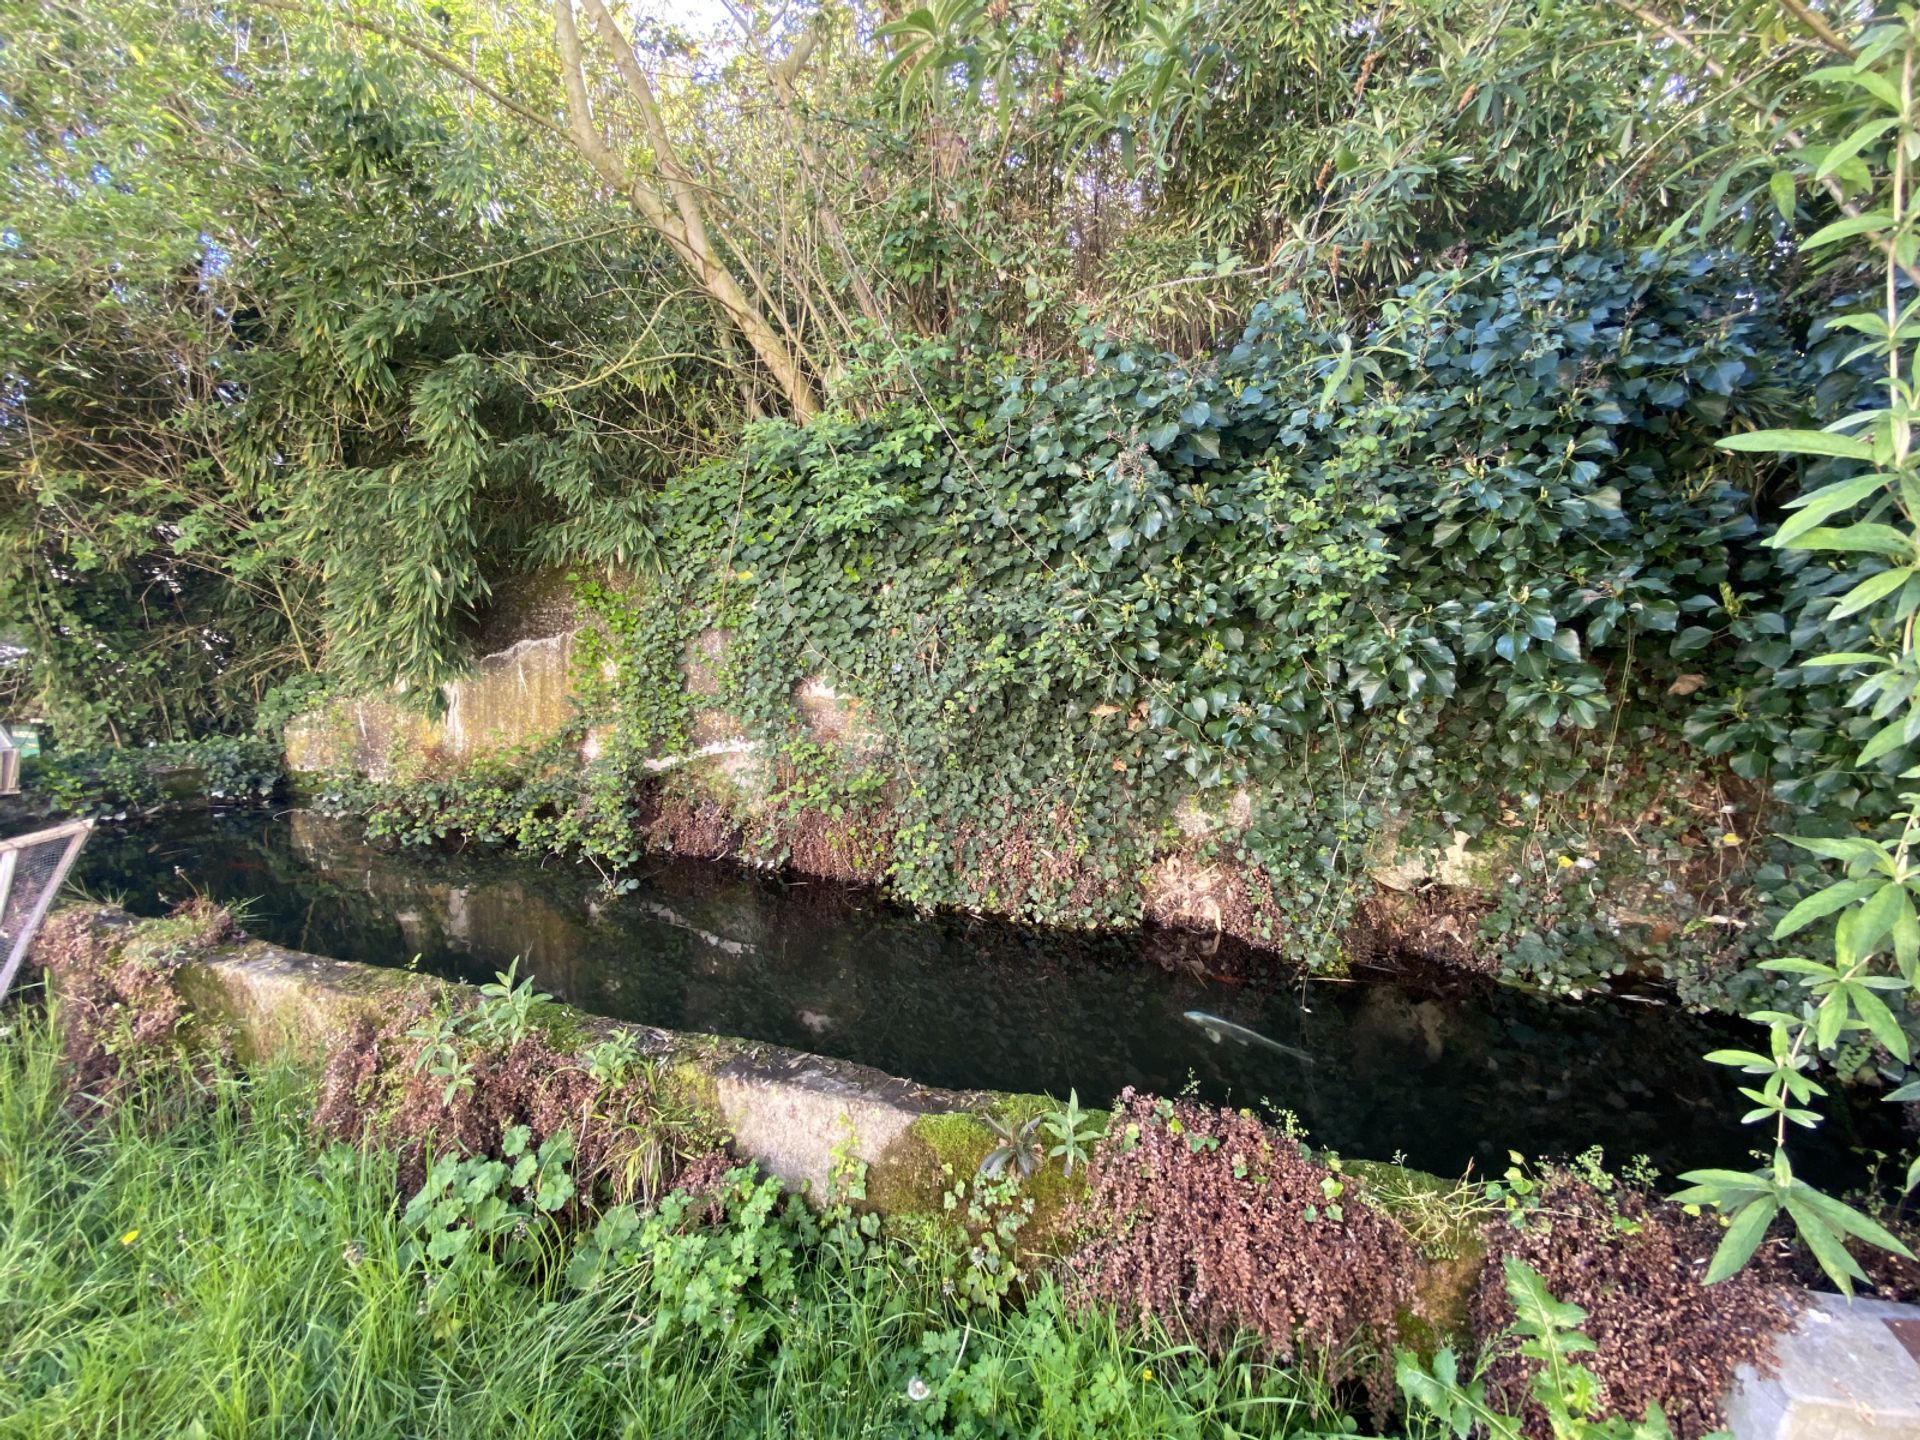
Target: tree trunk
{"x":681,"y":223}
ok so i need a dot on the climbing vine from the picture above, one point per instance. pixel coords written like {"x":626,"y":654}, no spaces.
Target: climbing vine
{"x":1326,"y":597}
{"x":1431,"y":573}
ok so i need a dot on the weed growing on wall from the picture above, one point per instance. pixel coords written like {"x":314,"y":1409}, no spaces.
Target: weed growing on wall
{"x":1210,"y":1215}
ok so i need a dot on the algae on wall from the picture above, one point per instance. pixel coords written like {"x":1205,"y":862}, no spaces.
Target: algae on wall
{"x":514,"y":696}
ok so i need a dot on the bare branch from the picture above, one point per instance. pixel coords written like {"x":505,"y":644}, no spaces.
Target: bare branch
{"x":1793,"y":138}
{"x":437,"y":56}
{"x":1817,"y":23}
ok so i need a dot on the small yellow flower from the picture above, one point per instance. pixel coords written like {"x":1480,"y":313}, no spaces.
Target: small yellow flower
{"x":1566,"y":862}
{"x":1146,"y":1376}
{"x":130,"y":1237}
{"x":1729,"y":838}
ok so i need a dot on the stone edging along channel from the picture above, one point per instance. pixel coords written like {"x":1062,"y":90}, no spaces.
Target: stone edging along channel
{"x":802,"y":1117}
{"x":797,"y":1115}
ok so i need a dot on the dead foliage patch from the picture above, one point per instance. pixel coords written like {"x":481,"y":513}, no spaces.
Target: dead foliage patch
{"x":857,"y":848}
{"x":120,"y":1015}
{"x":1185,"y":892}
{"x":1213,"y":1224}
{"x":1635,"y":1266}
{"x":1027,"y":862}
{"x":1437,"y":926}
{"x":702,"y":829}
{"x":376,"y":1090}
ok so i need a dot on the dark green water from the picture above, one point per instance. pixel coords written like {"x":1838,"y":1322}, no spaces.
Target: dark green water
{"x":1443,"y":1076}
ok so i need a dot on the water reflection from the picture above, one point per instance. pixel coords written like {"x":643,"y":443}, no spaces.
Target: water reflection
{"x":1445,"y":1077}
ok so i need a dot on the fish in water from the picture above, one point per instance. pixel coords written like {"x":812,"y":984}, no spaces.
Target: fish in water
{"x":1218,"y":1029}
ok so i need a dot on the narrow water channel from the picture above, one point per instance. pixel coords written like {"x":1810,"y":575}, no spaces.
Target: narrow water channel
{"x":1442,"y":1076}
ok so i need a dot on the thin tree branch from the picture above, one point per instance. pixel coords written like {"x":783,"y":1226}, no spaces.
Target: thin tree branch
{"x":1817,"y":23}
{"x":1794,"y":139}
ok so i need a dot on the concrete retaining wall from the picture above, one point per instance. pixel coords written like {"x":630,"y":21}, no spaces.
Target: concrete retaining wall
{"x":515,"y":695}
{"x":521,"y":692}
{"x":795,"y":1114}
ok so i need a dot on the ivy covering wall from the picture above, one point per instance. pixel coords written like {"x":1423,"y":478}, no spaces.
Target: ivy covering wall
{"x":1475,"y":568}
{"x":1348,"y":478}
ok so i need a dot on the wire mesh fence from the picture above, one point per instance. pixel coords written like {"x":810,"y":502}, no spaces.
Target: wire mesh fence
{"x":32,"y":869}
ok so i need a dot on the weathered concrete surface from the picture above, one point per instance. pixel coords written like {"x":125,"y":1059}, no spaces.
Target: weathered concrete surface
{"x":275,"y":1001}
{"x":799,"y":1116}
{"x":792,"y":1111}
{"x":524,"y":693}
{"x":516,"y":695}
{"x":1847,"y":1371}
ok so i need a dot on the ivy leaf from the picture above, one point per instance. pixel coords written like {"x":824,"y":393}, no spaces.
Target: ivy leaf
{"x":1659,"y":615}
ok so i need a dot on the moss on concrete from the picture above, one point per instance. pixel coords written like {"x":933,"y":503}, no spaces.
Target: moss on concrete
{"x":565,"y":1029}
{"x":691,"y":1086}
{"x":796,"y":1109}
{"x":1442,"y":1218}
{"x":923,"y":1164}
{"x":919,"y":1168}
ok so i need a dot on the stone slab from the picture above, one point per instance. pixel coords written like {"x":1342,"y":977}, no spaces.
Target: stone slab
{"x":802,"y":1117}
{"x":1847,"y":1371}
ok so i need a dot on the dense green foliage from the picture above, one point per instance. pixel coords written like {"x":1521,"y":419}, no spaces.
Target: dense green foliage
{"x":1474,"y":567}
{"x":300,"y":356}
{"x":1863,"y":506}
{"x":108,"y":783}
{"x":1125,"y":404}
{"x":194,"y":1267}
{"x":318,"y":325}
{"x":1344,"y":570}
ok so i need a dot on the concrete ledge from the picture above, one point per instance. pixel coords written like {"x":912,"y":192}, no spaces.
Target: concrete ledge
{"x":1847,"y":1371}
{"x":799,"y":1116}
